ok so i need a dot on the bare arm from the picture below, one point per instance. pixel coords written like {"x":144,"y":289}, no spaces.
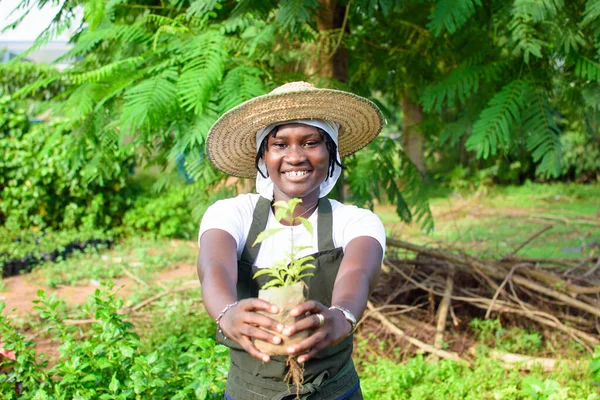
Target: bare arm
{"x":357,"y":277}
{"x":358,"y":274}
{"x":217,"y":269}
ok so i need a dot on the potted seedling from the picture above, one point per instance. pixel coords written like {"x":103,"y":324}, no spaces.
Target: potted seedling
{"x":285,"y":289}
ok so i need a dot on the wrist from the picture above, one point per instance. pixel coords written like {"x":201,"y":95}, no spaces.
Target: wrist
{"x":220,"y":317}
{"x":348,"y":316}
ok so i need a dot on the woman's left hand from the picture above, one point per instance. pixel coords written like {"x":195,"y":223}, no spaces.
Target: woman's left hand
{"x":334,"y":329}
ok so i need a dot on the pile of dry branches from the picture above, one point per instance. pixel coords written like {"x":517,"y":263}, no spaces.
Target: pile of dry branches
{"x":422,"y":288}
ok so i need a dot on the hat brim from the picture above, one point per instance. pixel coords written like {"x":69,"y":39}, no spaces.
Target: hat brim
{"x":231,"y":142}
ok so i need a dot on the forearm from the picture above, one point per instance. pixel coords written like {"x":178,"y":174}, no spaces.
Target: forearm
{"x":352,"y":291}
{"x":358,"y":275}
{"x":217,"y":270}
{"x":218,"y":289}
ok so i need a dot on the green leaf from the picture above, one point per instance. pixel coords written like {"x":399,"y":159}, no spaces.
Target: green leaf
{"x":264,"y":271}
{"x":266,"y":234}
{"x":451,"y":15}
{"x":492,"y":130}
{"x":114,"y":383}
{"x":544,"y":135}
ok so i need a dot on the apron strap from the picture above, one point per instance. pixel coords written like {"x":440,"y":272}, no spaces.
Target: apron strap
{"x":325,"y":225}
{"x":259,"y":223}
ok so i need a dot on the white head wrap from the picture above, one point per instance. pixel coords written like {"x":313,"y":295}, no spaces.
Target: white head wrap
{"x":264,"y":186}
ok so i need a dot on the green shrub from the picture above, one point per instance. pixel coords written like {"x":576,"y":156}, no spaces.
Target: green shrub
{"x":385,"y":379}
{"x":44,"y":185}
{"x":160,"y":215}
{"x":581,"y":157}
{"x":110,"y":361}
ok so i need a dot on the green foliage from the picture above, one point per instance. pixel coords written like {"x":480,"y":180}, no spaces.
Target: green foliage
{"x":587,"y":69}
{"x":451,"y":15}
{"x":162,"y":215}
{"x":13,"y":119}
{"x":288,"y":271}
{"x":40,"y":185}
{"x":594,"y":366}
{"x":41,"y":80}
{"x":492,"y":130}
{"x":543,"y":141}
{"x":383,"y":171}
{"x":581,"y":157}
{"x":110,"y":361}
{"x":142,"y":257}
{"x":36,"y":245}
{"x":458,"y":86}
{"x":547,"y":389}
{"x":416,"y":378}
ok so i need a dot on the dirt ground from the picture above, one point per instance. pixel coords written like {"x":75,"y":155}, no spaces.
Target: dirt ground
{"x":22,"y":290}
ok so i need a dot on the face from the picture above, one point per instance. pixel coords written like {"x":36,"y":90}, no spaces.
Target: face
{"x":297,"y":161}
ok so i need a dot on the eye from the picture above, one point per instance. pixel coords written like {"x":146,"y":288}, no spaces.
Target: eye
{"x":278,"y":145}
{"x":312,"y":143}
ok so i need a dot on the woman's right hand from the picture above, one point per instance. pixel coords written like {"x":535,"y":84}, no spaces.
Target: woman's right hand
{"x":242,"y":323}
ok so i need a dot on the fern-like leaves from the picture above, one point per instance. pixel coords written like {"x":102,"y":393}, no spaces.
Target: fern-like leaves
{"x":93,"y":13}
{"x":204,"y":58}
{"x":382,"y":170}
{"x":457,"y":86}
{"x":451,"y":15}
{"x":492,"y":129}
{"x":537,"y":10}
{"x":107,"y":71}
{"x":292,"y":13}
{"x":543,"y":136}
{"x":587,"y":69}
{"x":148,"y":104}
{"x":240,"y":84}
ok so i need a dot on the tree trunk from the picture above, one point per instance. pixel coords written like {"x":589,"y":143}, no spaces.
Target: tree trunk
{"x":330,"y":16}
{"x":412,"y":138}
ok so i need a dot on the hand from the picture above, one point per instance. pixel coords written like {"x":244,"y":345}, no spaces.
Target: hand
{"x":335,"y":329}
{"x":241,"y":323}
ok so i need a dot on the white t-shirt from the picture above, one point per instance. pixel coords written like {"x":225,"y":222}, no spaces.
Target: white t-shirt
{"x":234,"y":216}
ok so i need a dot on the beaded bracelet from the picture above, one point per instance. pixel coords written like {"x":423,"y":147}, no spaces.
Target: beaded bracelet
{"x":218,"y":319}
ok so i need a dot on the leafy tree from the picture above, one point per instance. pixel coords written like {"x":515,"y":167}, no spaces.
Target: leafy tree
{"x":496,"y":76}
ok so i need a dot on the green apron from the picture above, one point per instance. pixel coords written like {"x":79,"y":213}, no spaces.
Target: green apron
{"x":327,"y":376}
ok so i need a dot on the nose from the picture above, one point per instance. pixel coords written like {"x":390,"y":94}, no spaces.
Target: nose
{"x":295,"y":155}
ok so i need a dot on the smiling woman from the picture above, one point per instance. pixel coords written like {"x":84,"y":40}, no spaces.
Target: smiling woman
{"x":291,"y":141}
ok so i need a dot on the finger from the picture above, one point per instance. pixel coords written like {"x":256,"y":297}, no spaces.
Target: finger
{"x":261,"y":334}
{"x":310,"y":306}
{"x":258,"y":304}
{"x":247,"y":344}
{"x":305,"y":357}
{"x":316,"y":340}
{"x":310,"y":322}
{"x":263,"y":321}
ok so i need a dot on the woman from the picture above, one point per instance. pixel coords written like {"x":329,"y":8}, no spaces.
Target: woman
{"x":291,"y":140}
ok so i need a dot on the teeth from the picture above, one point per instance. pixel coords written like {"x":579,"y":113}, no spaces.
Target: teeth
{"x":296,"y":173}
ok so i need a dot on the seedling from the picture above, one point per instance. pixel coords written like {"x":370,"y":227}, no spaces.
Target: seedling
{"x":291,"y":270}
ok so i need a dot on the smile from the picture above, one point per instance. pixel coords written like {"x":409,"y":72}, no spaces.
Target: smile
{"x":296,"y":173}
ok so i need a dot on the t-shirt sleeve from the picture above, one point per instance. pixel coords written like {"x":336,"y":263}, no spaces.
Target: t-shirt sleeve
{"x":361,"y":222}
{"x":227,"y":215}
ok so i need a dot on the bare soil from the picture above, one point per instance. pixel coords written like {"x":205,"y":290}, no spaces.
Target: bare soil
{"x":22,"y":290}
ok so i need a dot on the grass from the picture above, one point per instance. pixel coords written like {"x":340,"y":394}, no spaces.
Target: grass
{"x":384,"y":379}
{"x":141,"y":257}
{"x":495,"y":221}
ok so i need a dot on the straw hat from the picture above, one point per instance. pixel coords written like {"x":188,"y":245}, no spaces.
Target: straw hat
{"x":231,"y":142}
